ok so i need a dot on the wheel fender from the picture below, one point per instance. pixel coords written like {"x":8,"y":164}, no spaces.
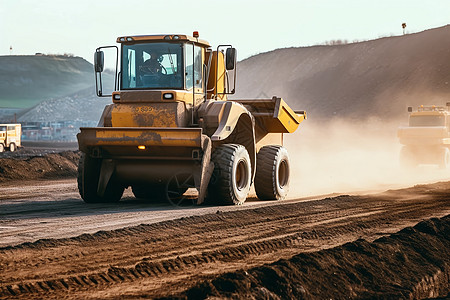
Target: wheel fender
{"x":230,"y":114}
{"x":235,"y":124}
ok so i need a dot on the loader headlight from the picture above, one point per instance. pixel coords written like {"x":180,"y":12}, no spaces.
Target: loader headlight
{"x":141,"y":147}
{"x":116,"y":96}
{"x":168,"y":96}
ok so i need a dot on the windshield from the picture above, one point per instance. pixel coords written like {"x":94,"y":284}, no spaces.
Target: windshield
{"x":436,"y":120}
{"x":2,"y":128}
{"x":152,"y":65}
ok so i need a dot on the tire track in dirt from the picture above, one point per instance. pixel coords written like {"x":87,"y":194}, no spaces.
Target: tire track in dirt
{"x":413,"y":263}
{"x":196,"y":245}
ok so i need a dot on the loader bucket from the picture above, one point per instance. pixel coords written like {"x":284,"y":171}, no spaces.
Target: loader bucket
{"x":149,"y":156}
{"x":274,"y":114}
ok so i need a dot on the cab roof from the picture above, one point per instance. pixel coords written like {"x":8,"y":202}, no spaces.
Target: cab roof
{"x":162,"y":38}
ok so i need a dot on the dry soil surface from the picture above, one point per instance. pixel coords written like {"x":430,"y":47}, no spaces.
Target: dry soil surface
{"x":54,"y":246}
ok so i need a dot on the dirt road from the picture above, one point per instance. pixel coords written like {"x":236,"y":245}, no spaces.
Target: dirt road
{"x":138,"y":249}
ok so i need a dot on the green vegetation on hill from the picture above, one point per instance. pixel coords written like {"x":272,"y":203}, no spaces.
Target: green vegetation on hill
{"x":27,"y":80}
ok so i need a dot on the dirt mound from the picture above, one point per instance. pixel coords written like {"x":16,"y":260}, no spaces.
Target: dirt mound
{"x":413,"y":263}
{"x":359,"y":80}
{"x":26,"y":164}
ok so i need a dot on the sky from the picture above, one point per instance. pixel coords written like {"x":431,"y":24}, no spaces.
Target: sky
{"x":252,"y":26}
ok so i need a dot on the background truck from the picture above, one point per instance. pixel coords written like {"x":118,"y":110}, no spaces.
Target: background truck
{"x":426,"y":139}
{"x":171,"y":127}
{"x":10,"y":137}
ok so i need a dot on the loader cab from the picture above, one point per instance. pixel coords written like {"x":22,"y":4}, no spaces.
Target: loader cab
{"x":161,"y":65}
{"x":170,"y":62}
{"x":429,"y":116}
{"x":427,"y":120}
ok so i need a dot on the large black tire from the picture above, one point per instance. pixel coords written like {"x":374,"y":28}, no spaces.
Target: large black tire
{"x":88,"y":176}
{"x":2,"y":148}
{"x":231,"y":179}
{"x":272,"y":173}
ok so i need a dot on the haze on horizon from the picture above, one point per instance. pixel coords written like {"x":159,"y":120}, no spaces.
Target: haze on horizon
{"x":252,"y":26}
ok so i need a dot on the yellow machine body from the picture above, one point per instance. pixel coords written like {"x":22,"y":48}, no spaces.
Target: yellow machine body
{"x":148,"y":134}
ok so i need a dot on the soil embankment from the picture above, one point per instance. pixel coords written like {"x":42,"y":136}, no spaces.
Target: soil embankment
{"x":413,"y":264}
{"x":261,"y":250}
{"x":32,"y":164}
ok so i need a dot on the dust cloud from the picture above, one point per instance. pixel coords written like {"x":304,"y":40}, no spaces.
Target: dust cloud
{"x":346,"y":157}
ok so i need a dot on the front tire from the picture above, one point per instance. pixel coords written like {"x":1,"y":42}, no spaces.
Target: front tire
{"x":88,"y":177}
{"x":272,"y":173}
{"x":231,"y":179}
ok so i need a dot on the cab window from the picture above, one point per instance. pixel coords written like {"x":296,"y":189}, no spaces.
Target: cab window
{"x":193,"y":63}
{"x":433,"y":120}
{"x":152,"y":65}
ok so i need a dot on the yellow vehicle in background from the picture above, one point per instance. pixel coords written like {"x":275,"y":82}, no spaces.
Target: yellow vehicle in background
{"x":171,"y":128}
{"x":426,"y":139}
{"x":10,"y":137}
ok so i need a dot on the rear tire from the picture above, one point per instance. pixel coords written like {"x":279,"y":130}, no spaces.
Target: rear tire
{"x":231,"y":179}
{"x":2,"y":148}
{"x":88,"y":176}
{"x":272,"y":173}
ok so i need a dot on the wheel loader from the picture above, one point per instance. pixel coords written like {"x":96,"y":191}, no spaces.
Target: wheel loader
{"x":171,"y":129}
{"x":426,"y":139}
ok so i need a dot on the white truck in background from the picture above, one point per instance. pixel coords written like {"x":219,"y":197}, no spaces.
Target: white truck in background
{"x":426,"y":139}
{"x":10,"y":137}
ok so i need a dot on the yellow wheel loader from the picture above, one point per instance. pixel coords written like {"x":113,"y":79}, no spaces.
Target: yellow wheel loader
{"x":171,"y":130}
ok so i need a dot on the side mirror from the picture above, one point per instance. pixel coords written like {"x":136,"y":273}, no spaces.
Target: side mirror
{"x":230,"y":58}
{"x":409,"y":109}
{"x":99,"y":61}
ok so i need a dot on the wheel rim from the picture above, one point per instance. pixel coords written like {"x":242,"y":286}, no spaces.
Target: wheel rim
{"x":177,"y":186}
{"x":241,"y":175}
{"x":283,"y":174}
